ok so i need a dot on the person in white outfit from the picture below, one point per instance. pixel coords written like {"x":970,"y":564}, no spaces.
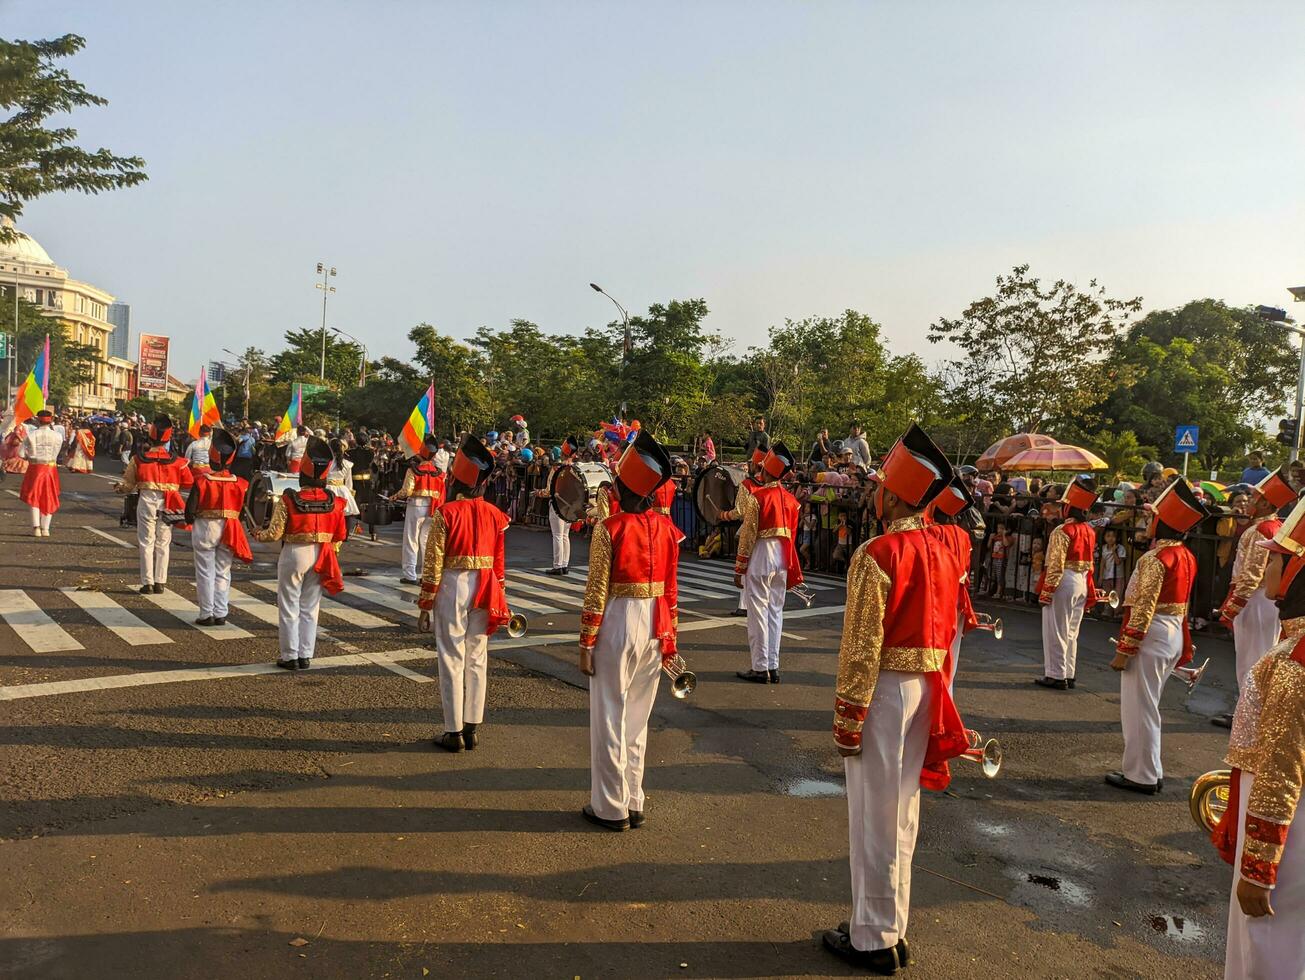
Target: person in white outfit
{"x":197,"y":452}
{"x":217,"y":537}
{"x":1067,"y":589}
{"x":560,"y":531}
{"x":1154,"y":639}
{"x":423,"y":490}
{"x":40,"y":490}
{"x":158,"y":476}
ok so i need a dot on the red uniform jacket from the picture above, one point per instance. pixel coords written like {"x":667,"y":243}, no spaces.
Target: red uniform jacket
{"x":634,"y":556}
{"x":960,"y":543}
{"x":424,"y":479}
{"x":664,"y":497}
{"x":1161,"y":584}
{"x":158,"y":469}
{"x":1071,"y":546}
{"x":312,"y":516}
{"x":770,"y":512}
{"x":468,"y":534}
{"x":220,"y":496}
{"x":901,"y":615}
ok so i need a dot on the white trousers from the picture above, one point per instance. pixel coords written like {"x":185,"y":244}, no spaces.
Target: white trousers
{"x":416,"y":520}
{"x":40,"y":520}
{"x":153,"y":538}
{"x":462,"y":648}
{"x":298,"y":595}
{"x":883,"y":807}
{"x":561,"y":539}
{"x":1140,"y":687}
{"x":764,"y":586}
{"x":627,"y":662}
{"x":212,"y":566}
{"x":1271,"y":947}
{"x":1060,"y":624}
{"x":1255,"y":632}
{"x":956,"y":647}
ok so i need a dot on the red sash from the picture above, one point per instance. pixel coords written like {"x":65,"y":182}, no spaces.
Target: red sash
{"x":947,"y":738}
{"x":328,"y":568}
{"x":233,"y":536}
{"x":491,"y":598}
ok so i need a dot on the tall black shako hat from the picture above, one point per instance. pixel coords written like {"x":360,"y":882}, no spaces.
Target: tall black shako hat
{"x":221,"y":449}
{"x":316,"y":464}
{"x":470,"y":467}
{"x":161,"y":429}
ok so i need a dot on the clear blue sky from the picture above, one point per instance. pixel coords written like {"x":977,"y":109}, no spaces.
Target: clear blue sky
{"x":467,"y":163}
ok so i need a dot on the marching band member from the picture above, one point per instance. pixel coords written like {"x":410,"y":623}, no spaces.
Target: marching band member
{"x":1247,"y":611}
{"x":462,"y":579}
{"x":82,"y":457}
{"x":1266,"y":914}
{"x":955,"y":521}
{"x":340,"y":482}
{"x":664,"y":498}
{"x":310,"y":524}
{"x":197,"y":452}
{"x":741,"y":495}
{"x":423,"y":489}
{"x":40,"y":489}
{"x":1067,"y":590}
{"x":1154,"y":637}
{"x":158,"y":475}
{"x":295,"y":446}
{"x":766,"y":563}
{"x":895,"y":723}
{"x":213,"y":508}
{"x":560,"y":531}
{"x":627,"y":630}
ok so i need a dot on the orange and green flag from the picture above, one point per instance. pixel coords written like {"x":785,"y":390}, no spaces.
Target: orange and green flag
{"x":420,"y":423}
{"x":203,"y":409}
{"x":33,"y":392}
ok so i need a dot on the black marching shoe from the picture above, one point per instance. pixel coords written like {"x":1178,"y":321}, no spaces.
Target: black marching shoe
{"x":450,"y":741}
{"x":903,"y":949}
{"x":1054,"y":683}
{"x":636,"y":818}
{"x":408,"y":581}
{"x":1222,"y":721}
{"x":588,"y":813}
{"x":146,"y":590}
{"x":158,"y":588}
{"x":469,"y":737}
{"x":739,"y":612}
{"x":1120,"y":781}
{"x":305,"y":663}
{"x":219,"y":621}
{"x":1071,"y":682}
{"x":566,"y":570}
{"x":774,"y":676}
{"x":204,"y":621}
{"x":555,"y":570}
{"x":288,"y":664}
{"x":756,"y":676}
{"x":881,"y":961}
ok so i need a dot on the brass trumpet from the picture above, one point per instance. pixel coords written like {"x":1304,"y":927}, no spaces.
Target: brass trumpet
{"x":803,"y":593}
{"x":517,"y":626}
{"x":683,"y":680}
{"x":986,"y":754}
{"x":1191,"y":676}
{"x":1209,"y":798}
{"x":1110,"y":598}
{"x":986,"y":622}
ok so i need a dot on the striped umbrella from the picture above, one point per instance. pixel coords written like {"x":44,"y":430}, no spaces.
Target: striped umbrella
{"x":1056,"y":459}
{"x":999,"y":453}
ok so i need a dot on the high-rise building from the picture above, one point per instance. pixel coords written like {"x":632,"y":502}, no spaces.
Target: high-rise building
{"x":120,"y":339}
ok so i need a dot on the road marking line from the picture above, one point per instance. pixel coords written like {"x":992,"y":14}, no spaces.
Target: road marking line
{"x":188,"y":612}
{"x":12,"y":493}
{"x":552,"y":581}
{"x":125,"y":624}
{"x":330,"y":607}
{"x":407,"y":608}
{"x":257,"y":608}
{"x":32,"y":625}
{"x":108,"y":537}
{"x":383,"y":660}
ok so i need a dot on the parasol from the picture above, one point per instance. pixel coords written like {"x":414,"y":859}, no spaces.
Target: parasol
{"x":1054,"y":459}
{"x":1217,"y":492}
{"x":999,"y":453}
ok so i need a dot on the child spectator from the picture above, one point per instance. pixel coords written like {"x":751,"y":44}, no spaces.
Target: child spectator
{"x":838,"y":562}
{"x":807,"y":537}
{"x":1035,"y":568}
{"x":1111,"y":555}
{"x":1001,"y":543}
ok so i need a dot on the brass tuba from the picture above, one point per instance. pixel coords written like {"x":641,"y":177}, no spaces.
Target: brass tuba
{"x":986,"y":754}
{"x":1209,"y":798}
{"x":683,"y":680}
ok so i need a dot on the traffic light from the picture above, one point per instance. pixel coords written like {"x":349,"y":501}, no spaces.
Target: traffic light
{"x":1288,"y":432}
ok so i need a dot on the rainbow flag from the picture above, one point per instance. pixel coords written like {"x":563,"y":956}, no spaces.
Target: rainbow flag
{"x":294,"y":415}
{"x":203,"y":410}
{"x":33,"y":392}
{"x":420,"y":423}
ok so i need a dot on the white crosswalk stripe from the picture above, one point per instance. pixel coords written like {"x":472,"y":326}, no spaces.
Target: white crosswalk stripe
{"x":125,"y":624}
{"x":514,"y":598}
{"x":338,"y":610}
{"x":260,"y":610}
{"x":186,"y":611}
{"x":381,"y":596}
{"x":32,"y":625}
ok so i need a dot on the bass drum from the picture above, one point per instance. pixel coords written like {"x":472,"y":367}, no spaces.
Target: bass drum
{"x":265,"y":491}
{"x":716,"y":489}
{"x":574,"y":489}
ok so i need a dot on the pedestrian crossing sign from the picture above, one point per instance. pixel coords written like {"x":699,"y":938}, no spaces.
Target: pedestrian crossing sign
{"x":1186,"y":438}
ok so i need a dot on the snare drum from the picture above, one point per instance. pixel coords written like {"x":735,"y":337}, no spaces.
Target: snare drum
{"x":716,"y":490}
{"x":265,"y":491}
{"x":574,"y":489}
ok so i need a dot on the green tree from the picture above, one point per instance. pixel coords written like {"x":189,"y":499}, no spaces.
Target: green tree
{"x":36,"y":159}
{"x":1121,"y":451}
{"x":301,"y":360}
{"x":1205,"y":364}
{"x":1041,"y":353}
{"x":662,"y":381}
{"x":458,"y":370}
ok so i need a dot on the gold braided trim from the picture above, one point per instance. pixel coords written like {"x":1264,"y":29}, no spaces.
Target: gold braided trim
{"x":420,"y":493}
{"x":636,"y":590}
{"x":362,"y":476}
{"x":36,"y":463}
{"x":468,"y":562}
{"x":915,"y":659}
{"x":774,"y":532}
{"x":662,"y":510}
{"x":1171,"y":609}
{"x":158,"y":486}
{"x":1078,"y":566}
{"x":320,"y":537}
{"x":214,"y":515}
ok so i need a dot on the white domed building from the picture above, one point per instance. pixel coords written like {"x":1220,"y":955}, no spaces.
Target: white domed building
{"x":81,"y":309}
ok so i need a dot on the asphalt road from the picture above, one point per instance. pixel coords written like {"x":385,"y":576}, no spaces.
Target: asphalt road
{"x":167,"y":812}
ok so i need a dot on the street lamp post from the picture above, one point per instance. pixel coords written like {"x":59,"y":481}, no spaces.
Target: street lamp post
{"x":625,"y":320}
{"x":326,"y":288}
{"x":362,"y":374}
